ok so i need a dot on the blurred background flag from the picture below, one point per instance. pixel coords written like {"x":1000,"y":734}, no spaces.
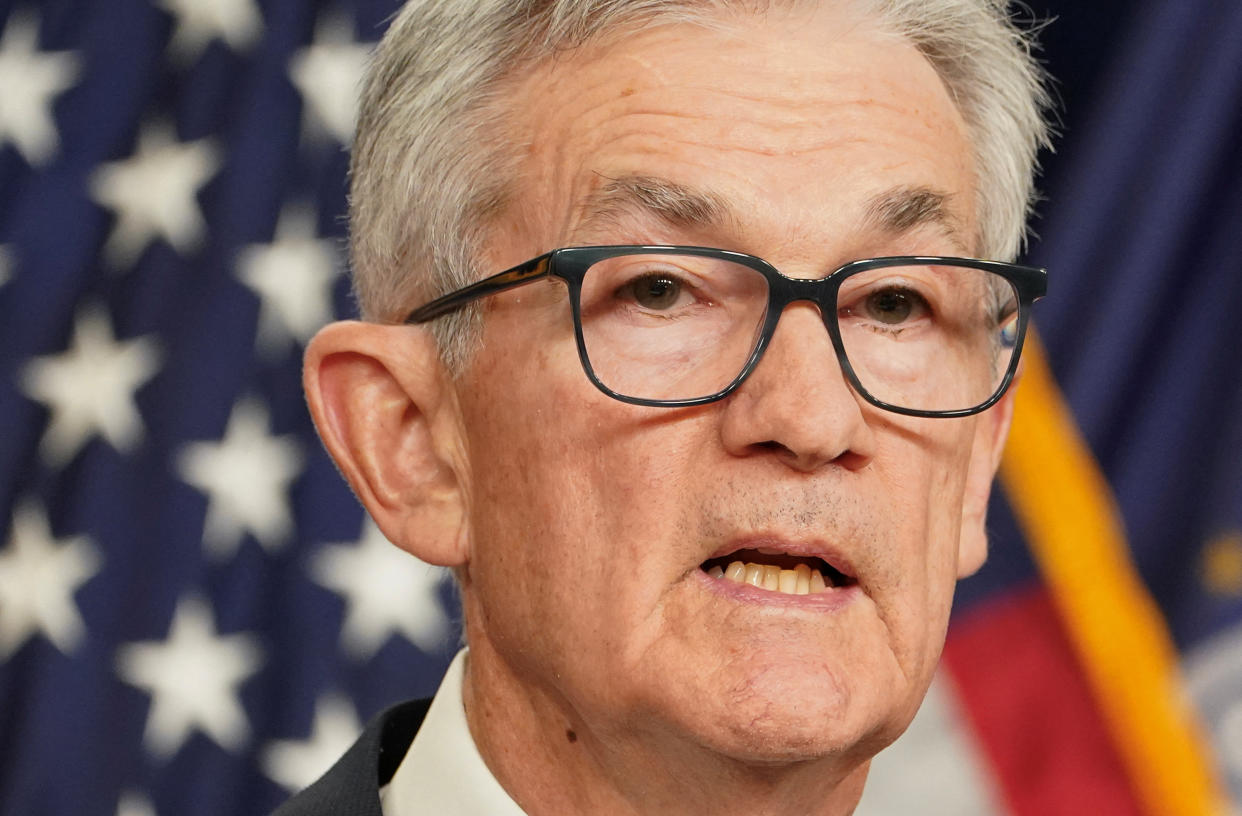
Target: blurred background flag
{"x":194,"y":616}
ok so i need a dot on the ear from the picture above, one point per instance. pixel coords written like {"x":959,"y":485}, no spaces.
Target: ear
{"x":387,"y":413}
{"x":985,"y":454}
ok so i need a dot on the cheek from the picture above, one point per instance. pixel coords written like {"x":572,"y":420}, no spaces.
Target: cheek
{"x":522,"y":466}
{"x":925,"y":481}
{"x":574,"y":521}
{"x":567,"y":485}
{"x":925,"y":471}
{"x":950,"y":468}
{"x":528,"y":563}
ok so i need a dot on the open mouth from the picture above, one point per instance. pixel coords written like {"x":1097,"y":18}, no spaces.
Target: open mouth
{"x":777,"y":571}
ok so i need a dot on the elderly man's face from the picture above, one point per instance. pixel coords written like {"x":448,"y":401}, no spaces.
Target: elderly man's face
{"x":591,"y":519}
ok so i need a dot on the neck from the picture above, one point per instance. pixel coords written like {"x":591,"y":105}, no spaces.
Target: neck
{"x":551,"y":760}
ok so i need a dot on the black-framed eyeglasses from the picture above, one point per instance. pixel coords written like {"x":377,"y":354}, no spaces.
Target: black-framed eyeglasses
{"x":924,"y":336}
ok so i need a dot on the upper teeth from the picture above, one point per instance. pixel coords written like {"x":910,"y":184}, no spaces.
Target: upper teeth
{"x":801,"y":580}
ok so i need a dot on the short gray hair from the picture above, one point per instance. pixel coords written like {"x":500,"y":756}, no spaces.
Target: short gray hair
{"x":431,"y":166}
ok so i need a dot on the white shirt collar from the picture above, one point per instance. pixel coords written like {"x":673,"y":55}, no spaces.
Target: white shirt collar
{"x":442,"y":772}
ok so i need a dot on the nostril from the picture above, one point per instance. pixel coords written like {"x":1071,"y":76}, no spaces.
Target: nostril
{"x":853,"y":460}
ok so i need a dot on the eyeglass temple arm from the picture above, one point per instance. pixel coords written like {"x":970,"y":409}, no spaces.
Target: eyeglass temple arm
{"x":518,"y":275}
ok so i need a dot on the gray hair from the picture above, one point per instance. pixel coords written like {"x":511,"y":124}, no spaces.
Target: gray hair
{"x":431,"y":166}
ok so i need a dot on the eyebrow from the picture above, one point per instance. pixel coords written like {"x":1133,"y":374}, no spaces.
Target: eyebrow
{"x":895,"y":211}
{"x":901,"y":209}
{"x":675,"y":204}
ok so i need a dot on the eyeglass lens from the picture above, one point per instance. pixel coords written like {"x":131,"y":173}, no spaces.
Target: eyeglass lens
{"x":674,"y":327}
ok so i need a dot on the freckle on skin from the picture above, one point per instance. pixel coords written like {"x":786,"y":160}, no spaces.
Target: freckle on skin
{"x":627,"y":91}
{"x":570,"y":735}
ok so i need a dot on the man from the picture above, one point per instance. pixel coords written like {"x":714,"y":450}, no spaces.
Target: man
{"x":706,"y":511}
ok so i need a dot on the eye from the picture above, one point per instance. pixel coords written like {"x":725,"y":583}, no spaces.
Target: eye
{"x":656,"y":291}
{"x":894,"y":305}
{"x":1007,"y":324}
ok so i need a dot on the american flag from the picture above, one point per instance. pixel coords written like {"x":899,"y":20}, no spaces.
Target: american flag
{"x":195,"y":617}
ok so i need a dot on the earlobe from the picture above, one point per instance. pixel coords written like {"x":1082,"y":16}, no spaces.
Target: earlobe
{"x":388,"y":416}
{"x":985,"y":455}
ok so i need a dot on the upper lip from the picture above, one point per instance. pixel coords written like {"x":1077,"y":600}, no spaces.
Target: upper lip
{"x":798,"y":547}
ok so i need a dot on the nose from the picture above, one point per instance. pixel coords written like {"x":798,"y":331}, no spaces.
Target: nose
{"x":796,"y":404}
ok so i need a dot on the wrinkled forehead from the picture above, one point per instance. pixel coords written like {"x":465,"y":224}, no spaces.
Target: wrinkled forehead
{"x":789,"y":115}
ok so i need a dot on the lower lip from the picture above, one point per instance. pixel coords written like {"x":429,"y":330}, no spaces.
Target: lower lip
{"x":830,"y":600}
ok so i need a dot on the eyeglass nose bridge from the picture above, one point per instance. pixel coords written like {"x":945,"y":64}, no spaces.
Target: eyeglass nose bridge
{"x":783,"y":292}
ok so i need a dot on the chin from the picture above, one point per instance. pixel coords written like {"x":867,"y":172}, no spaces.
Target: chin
{"x":786,"y":718}
{"x":780,"y":741}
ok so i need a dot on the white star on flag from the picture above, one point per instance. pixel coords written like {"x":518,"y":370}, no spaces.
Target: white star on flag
{"x":237,"y":22}
{"x":297,"y":763}
{"x":39,"y":575}
{"x":153,"y":194}
{"x":29,"y":82}
{"x":329,"y":76}
{"x":293,"y":277}
{"x":386,"y":591}
{"x":246,"y":476}
{"x":193,"y":679}
{"x":133,"y":803}
{"x":89,"y":388}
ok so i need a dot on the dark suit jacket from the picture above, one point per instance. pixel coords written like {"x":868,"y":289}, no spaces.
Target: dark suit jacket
{"x":351,"y":787}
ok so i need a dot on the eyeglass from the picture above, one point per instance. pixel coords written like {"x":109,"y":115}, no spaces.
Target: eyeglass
{"x":677,"y":326}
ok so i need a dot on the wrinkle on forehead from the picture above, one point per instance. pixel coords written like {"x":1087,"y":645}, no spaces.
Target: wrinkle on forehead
{"x":598,"y":121}
{"x":666,"y":60}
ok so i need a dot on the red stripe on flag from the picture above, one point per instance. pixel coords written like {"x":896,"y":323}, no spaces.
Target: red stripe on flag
{"x":1032,"y":710}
